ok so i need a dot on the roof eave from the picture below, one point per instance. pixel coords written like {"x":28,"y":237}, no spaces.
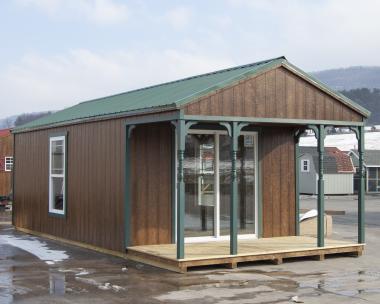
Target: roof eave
{"x":126,"y":114}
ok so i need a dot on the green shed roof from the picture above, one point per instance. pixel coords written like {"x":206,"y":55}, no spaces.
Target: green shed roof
{"x":166,"y":96}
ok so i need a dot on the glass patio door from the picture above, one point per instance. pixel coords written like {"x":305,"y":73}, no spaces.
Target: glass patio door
{"x":199,"y":175}
{"x":207,"y":176}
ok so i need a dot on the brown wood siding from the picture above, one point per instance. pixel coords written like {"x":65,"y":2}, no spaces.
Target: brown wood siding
{"x":277,"y":171}
{"x":6,"y":149}
{"x":151,"y":184}
{"x":95,"y":184}
{"x":277,"y":93}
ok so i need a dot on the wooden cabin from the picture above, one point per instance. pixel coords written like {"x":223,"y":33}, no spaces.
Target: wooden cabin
{"x":192,"y":172}
{"x":6,"y":162}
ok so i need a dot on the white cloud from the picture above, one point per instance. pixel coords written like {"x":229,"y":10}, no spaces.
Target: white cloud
{"x":39,"y":83}
{"x":97,"y":11}
{"x":179,"y":17}
{"x":314,"y":34}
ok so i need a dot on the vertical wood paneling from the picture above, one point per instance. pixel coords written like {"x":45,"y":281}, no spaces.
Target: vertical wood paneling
{"x":281,"y":106}
{"x":277,"y":93}
{"x":249,"y":102}
{"x":151,"y":193}
{"x":278,"y":195}
{"x":290,"y":96}
{"x":261,"y":95}
{"x":320,"y":106}
{"x":270,"y":93}
{"x":95,"y":184}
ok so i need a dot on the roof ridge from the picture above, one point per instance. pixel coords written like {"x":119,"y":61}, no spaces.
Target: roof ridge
{"x":188,"y":78}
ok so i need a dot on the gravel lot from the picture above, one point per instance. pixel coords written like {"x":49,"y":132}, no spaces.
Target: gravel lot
{"x":36,"y":270}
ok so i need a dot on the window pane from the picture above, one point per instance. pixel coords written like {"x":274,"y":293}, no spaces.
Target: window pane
{"x":57,"y":151}
{"x":245,"y":166}
{"x":225,"y":183}
{"x":8,"y":163}
{"x":199,"y":164}
{"x":57,"y":192}
{"x":372,"y":186}
{"x":372,"y":172}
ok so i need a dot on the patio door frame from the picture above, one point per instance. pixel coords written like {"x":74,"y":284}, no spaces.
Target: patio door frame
{"x":217,"y":236}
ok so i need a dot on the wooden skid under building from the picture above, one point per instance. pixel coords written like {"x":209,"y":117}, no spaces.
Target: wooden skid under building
{"x":216,"y":253}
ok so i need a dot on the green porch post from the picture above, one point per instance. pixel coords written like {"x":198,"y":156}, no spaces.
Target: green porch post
{"x":297,"y":179}
{"x":321,"y":190}
{"x":181,"y":137}
{"x":235,"y":132}
{"x":361,"y":192}
{"x":234,"y":190}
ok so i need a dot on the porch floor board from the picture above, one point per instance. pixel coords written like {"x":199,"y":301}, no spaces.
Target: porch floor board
{"x":217,"y":252}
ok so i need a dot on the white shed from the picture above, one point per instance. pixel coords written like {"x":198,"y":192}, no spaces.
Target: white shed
{"x":338,"y":171}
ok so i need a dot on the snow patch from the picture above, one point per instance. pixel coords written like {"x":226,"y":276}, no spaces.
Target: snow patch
{"x":345,"y":142}
{"x":36,"y":248}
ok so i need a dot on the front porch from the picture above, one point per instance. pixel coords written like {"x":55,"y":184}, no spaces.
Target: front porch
{"x":250,"y":250}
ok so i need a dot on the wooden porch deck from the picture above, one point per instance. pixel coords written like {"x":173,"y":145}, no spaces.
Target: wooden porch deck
{"x":217,"y":252}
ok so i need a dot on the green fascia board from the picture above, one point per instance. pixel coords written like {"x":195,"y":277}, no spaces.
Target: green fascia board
{"x":269,"y":120}
{"x":170,"y":96}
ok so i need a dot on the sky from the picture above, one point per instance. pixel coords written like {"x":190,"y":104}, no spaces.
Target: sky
{"x":56,"y":53}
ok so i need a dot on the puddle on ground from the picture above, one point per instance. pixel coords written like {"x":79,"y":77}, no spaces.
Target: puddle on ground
{"x":57,"y":283}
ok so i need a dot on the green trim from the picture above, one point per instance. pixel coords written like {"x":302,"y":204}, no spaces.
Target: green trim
{"x":234,"y":190}
{"x":127,"y":186}
{"x":287,"y":121}
{"x":297,"y":188}
{"x":361,"y":192}
{"x":65,"y":202}
{"x":181,"y":135}
{"x":236,"y":129}
{"x":321,"y":190}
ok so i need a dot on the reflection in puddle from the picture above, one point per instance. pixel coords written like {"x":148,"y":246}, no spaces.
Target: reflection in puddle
{"x":57,"y":283}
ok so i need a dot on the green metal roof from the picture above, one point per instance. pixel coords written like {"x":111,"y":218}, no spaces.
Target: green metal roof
{"x":166,"y":96}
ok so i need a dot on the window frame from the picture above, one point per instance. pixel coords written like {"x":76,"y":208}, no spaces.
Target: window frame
{"x":302,"y":165}
{"x":5,"y":163}
{"x":52,"y":211}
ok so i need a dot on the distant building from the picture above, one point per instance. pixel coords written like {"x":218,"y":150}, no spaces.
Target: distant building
{"x":338,"y":171}
{"x":6,"y":162}
{"x":372,"y":167}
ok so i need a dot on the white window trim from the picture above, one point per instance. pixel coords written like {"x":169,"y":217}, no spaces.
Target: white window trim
{"x":51,"y":176}
{"x":5,"y":163}
{"x":302,"y":165}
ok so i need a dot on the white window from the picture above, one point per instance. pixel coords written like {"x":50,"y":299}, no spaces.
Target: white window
{"x":57,"y":153}
{"x":305,"y":165}
{"x":8,"y":163}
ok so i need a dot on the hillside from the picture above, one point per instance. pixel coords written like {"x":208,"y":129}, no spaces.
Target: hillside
{"x":351,"y":78}
{"x":361,"y":84}
{"x":369,"y":99}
